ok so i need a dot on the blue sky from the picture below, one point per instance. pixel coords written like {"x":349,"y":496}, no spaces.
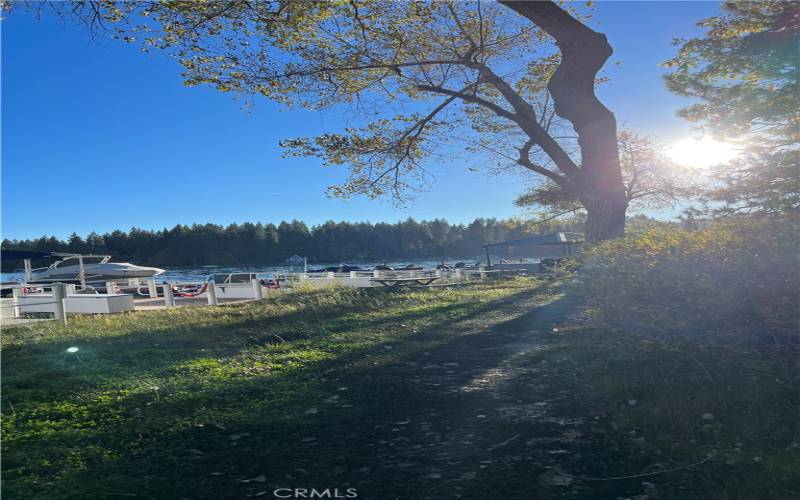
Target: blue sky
{"x":97,"y":135}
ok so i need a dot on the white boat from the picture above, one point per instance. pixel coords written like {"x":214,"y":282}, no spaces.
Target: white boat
{"x":91,"y":269}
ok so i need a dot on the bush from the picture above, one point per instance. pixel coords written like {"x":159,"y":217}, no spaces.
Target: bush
{"x":736,"y":275}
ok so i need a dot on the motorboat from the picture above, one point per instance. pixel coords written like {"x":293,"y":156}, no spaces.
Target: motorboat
{"x":91,"y":269}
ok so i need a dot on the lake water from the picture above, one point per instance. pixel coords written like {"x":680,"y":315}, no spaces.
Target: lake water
{"x":184,"y":274}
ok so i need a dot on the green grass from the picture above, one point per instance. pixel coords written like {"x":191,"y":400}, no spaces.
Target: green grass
{"x":498,"y":391}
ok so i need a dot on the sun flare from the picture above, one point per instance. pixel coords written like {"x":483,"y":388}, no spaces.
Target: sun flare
{"x":701,"y":152}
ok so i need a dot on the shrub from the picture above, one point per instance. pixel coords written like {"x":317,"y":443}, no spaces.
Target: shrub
{"x":734,"y":275}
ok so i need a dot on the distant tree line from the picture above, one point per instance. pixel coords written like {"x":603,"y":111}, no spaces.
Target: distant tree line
{"x":259,"y":243}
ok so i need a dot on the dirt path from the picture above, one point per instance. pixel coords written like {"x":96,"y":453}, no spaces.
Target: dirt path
{"x":474,"y":418}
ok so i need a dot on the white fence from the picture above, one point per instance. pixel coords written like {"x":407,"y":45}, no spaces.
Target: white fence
{"x":173,"y":293}
{"x":58,"y":299}
{"x":368,"y":278}
{"x":28,"y":299}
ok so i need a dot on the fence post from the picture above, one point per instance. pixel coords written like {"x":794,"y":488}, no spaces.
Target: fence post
{"x":152,"y":291}
{"x":331,"y":275}
{"x":257,"y":292}
{"x":109,"y":287}
{"x":376,"y":273}
{"x":15,"y":312}
{"x":169,"y":296}
{"x":59,"y":293}
{"x":211,"y":293}
{"x":354,"y":274}
{"x":439,"y":273}
{"x":459,"y":274}
{"x":482,"y":270}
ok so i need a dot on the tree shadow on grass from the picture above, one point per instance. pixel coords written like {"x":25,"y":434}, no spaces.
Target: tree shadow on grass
{"x":119,"y":360}
{"x":387,"y":421}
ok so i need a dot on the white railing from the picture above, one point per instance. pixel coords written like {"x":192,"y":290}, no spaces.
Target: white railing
{"x":27,"y":299}
{"x":172,"y":293}
{"x":62,"y":298}
{"x":368,"y":278}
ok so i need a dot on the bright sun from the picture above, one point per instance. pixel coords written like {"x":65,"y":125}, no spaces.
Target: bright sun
{"x":701,"y":153}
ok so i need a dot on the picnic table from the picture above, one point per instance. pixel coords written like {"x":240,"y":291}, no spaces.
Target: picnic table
{"x":397,"y":282}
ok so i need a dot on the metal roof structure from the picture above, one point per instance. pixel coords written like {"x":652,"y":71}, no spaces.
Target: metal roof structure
{"x":563,"y":240}
{"x":541,"y":239}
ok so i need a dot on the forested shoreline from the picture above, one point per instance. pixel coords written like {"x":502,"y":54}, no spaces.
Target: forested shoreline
{"x":267,"y":243}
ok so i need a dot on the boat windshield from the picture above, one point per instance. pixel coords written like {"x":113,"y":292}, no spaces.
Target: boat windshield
{"x":75,"y":261}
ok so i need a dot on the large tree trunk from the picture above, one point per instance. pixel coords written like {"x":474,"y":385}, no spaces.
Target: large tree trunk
{"x":599,"y":183}
{"x":606,"y":218}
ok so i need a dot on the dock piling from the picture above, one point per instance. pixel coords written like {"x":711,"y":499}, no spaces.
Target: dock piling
{"x":59,"y":294}
{"x":257,"y":292}
{"x":211,"y":293}
{"x":169,"y":296}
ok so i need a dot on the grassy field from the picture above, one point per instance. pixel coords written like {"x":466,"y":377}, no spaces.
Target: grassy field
{"x":494,"y":391}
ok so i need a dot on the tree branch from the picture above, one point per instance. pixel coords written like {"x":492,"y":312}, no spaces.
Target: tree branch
{"x":583,"y":52}
{"x":525,"y":161}
{"x":417,"y":130}
{"x":359,"y":67}
{"x":471,"y":98}
{"x":529,"y":124}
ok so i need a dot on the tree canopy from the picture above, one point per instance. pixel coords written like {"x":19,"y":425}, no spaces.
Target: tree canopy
{"x":424,"y":82}
{"x":745,"y":75}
